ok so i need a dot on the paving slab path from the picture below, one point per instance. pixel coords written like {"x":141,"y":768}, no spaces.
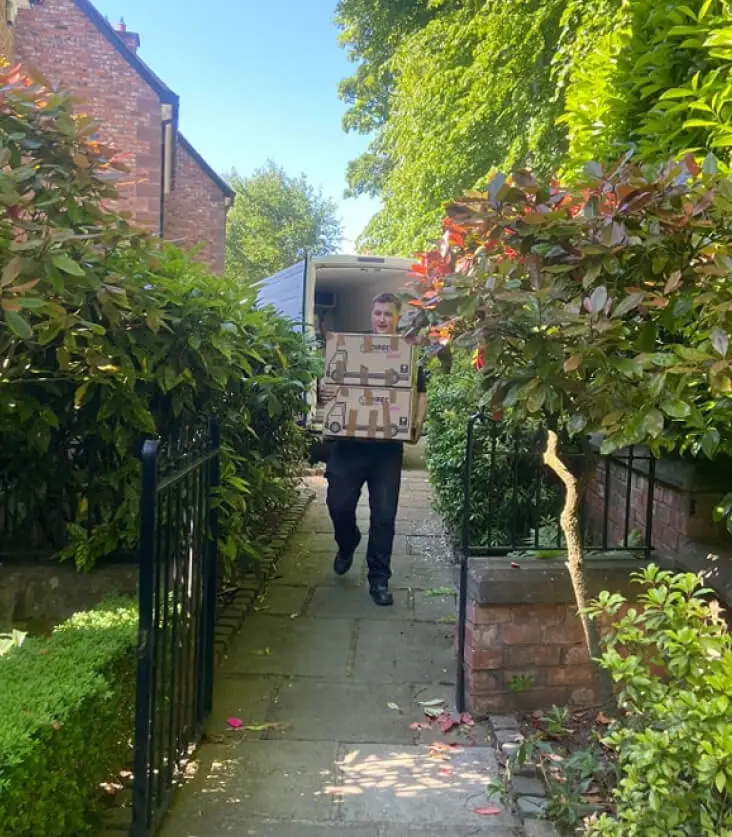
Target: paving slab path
{"x":329,"y":684}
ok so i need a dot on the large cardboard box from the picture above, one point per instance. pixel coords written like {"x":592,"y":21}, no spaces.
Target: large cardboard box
{"x":379,"y":413}
{"x":369,"y":360}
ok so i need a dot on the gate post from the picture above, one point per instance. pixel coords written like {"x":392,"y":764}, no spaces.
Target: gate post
{"x":211,"y":568}
{"x":146,"y":639}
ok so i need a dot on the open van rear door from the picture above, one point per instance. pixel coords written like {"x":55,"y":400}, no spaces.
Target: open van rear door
{"x":287,"y":291}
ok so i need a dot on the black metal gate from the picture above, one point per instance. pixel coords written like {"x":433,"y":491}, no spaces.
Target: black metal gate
{"x":177,"y":597}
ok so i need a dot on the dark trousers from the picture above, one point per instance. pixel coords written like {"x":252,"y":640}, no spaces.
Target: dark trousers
{"x":379,"y":465}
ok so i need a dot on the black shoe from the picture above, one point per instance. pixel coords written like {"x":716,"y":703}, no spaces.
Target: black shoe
{"x":381,"y":595}
{"x":342,"y":563}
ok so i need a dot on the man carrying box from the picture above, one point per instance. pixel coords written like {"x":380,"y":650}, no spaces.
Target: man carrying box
{"x":354,"y":462}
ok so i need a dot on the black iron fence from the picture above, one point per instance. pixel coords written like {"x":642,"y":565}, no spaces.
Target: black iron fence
{"x":178,"y":531}
{"x":512,"y":502}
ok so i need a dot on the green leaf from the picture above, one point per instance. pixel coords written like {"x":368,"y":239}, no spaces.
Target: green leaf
{"x":598,"y":299}
{"x":711,"y":164}
{"x":628,"y":304}
{"x":30,"y":302}
{"x":653,"y":423}
{"x":629,"y":367}
{"x":720,"y":341}
{"x":67,"y":265}
{"x":19,"y":325}
{"x":710,"y":442}
{"x":676,"y":408}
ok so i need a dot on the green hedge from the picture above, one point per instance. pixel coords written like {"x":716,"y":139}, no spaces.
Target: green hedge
{"x":453,"y":398}
{"x":67,"y":708}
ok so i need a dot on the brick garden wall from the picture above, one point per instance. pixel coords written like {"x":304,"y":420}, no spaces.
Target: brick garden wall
{"x":542,"y":643}
{"x":195,"y":212}
{"x":69,"y":49}
{"x":682,"y":512}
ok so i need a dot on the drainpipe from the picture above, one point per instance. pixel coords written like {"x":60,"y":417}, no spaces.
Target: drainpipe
{"x":167,"y":159}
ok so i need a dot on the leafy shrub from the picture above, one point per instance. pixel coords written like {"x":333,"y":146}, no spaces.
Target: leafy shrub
{"x":67,"y":704}
{"x":109,"y":337}
{"x":672,"y":662}
{"x":503,"y":494}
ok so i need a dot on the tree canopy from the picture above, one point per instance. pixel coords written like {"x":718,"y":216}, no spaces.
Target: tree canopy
{"x":275,"y":217}
{"x":452,"y":90}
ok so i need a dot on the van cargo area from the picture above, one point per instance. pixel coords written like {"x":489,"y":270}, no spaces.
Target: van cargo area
{"x":343,"y":292}
{"x":332,"y":293}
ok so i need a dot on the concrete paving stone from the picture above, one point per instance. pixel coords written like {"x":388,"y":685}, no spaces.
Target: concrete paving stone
{"x":283,"y":600}
{"x":435,"y":608}
{"x":406,"y":785}
{"x":325,"y":711}
{"x":403,"y":652}
{"x":446,"y":831}
{"x":539,"y":828}
{"x":527,"y":786}
{"x":309,"y":570}
{"x":420,"y":574}
{"x":256,"y":827}
{"x":349,"y":601}
{"x":283,"y":780}
{"x":247,"y":698}
{"x":508,"y":736}
{"x":505,"y":722}
{"x":531,"y":806}
{"x":280,"y":645}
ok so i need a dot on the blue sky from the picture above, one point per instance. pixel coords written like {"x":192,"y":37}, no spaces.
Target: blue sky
{"x":257,"y":79}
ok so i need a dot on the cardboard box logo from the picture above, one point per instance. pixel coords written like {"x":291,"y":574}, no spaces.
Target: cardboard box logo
{"x":373,"y":360}
{"x":370,"y":413}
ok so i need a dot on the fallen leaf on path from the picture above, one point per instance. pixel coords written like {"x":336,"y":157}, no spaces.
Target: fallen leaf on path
{"x":394,"y":706}
{"x":432,"y":702}
{"x":262,"y":727}
{"x":445,"y":771}
{"x":487,"y":812}
{"x":433,"y":711}
{"x":515,"y":565}
{"x":235,"y":723}
{"x":467,"y":719}
{"x":447,"y":722}
{"x":418,"y":725}
{"x":602,"y":718}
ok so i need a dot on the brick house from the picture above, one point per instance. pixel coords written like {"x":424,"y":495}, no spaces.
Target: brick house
{"x":172,"y":190}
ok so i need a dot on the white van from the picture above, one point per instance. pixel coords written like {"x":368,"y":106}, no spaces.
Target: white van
{"x":332,"y":293}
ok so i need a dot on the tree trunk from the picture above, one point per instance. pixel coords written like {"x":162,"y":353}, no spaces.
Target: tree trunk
{"x":569,"y":521}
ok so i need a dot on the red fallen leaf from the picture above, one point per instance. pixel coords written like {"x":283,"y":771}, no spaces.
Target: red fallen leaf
{"x":234,"y":723}
{"x":447,"y":722}
{"x":467,"y":720}
{"x":487,"y":812}
{"x":417,"y":725}
{"x":515,"y":565}
{"x":602,"y":718}
{"x":445,"y":771}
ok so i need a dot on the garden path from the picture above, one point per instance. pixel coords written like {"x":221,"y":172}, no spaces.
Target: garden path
{"x":327,"y":686}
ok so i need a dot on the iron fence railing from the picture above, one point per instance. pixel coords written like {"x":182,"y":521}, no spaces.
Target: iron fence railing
{"x":177,"y":598}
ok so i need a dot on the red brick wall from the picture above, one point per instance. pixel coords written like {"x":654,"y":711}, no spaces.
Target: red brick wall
{"x":679,"y":516}
{"x":542,"y":643}
{"x":69,"y":49}
{"x":195,"y":212}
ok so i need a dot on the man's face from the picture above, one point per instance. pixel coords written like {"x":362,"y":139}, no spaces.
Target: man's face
{"x":384,"y":318}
